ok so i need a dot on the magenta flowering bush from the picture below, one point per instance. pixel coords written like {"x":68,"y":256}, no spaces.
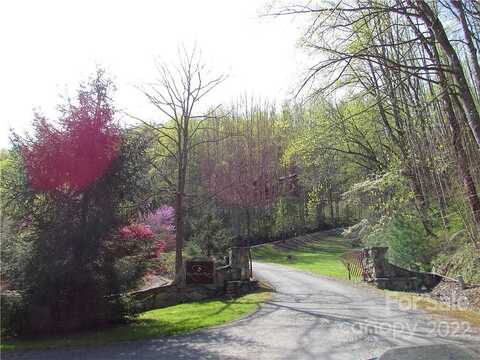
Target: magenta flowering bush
{"x":156,"y":231}
{"x":136,"y":231}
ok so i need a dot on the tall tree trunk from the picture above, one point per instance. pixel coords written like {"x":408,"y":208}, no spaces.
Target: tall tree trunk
{"x":180,"y":217}
{"x":337,"y":211}
{"x":247,"y":241}
{"x":462,"y":161}
{"x":330,"y":201}
{"x":179,"y":235}
{"x":465,"y":174}
{"x":469,"y":39}
{"x":450,"y":102}
{"x":320,"y":218}
{"x":421,"y":204}
{"x":399,"y":139}
{"x":249,"y":225}
{"x":467,"y":101}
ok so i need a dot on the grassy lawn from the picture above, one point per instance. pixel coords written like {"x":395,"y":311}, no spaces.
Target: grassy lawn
{"x":171,"y":320}
{"x":322,"y":256}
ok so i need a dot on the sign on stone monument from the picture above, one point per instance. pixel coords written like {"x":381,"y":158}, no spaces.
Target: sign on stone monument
{"x":200,"y":271}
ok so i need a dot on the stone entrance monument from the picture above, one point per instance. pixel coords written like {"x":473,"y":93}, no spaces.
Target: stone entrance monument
{"x":200,"y":271}
{"x":239,"y":259}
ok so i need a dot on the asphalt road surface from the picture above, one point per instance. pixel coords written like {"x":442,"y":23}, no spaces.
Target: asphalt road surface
{"x":309,"y":317}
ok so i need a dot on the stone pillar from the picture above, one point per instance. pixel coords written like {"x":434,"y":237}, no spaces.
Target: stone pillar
{"x":240,"y":263}
{"x":374,"y":263}
{"x":377,"y":255}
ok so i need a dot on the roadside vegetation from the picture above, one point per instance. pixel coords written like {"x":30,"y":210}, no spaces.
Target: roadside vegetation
{"x":172,"y":320}
{"x":417,"y":301}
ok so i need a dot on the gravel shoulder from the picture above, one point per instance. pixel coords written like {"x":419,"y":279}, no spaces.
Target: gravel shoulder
{"x":309,"y":317}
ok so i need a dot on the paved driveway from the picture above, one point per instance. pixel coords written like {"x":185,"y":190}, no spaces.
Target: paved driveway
{"x":309,"y":317}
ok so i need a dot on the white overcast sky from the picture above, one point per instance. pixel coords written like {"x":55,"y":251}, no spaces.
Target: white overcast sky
{"x":48,"y":47}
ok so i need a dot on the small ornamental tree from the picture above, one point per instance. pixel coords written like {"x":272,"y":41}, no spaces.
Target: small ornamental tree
{"x":77,"y":185}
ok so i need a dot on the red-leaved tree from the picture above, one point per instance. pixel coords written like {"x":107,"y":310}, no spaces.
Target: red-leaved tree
{"x":77,"y":152}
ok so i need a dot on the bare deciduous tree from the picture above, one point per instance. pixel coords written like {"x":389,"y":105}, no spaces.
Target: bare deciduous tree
{"x":176,"y":94}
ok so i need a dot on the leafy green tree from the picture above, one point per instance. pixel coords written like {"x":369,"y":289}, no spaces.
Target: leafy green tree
{"x":210,"y":237}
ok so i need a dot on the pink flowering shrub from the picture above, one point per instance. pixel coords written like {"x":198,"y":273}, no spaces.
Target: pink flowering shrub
{"x":161,"y":223}
{"x":136,"y":231}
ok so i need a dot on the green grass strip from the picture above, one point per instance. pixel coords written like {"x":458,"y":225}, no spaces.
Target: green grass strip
{"x":172,"y":320}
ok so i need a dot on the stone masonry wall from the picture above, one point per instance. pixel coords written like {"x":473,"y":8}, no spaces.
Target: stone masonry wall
{"x":388,"y":276}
